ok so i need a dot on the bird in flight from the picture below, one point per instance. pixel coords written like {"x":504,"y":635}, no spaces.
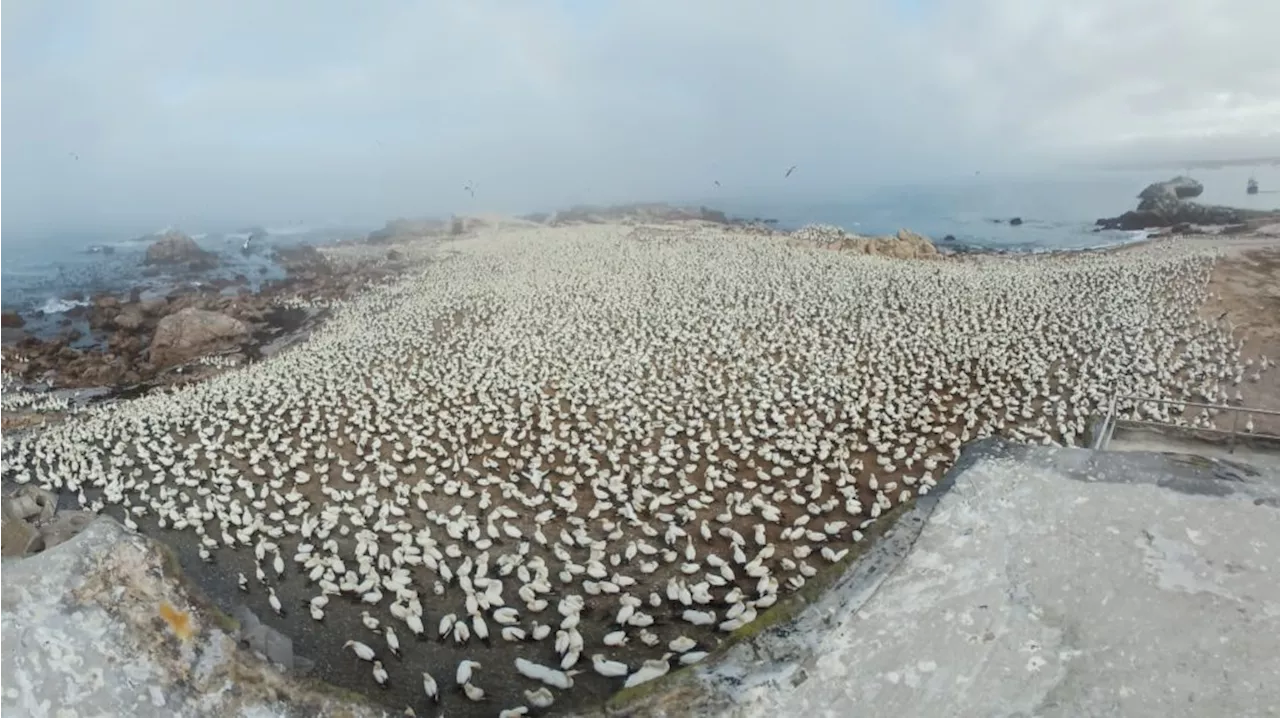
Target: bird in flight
{"x":717,"y":182}
{"x":790,"y":169}
{"x":470,"y":188}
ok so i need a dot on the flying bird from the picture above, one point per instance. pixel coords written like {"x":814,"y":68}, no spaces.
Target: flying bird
{"x":470,"y":189}
{"x":790,"y":169}
{"x":717,"y":182}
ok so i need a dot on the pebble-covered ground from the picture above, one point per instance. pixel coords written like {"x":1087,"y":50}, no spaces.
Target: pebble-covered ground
{"x":583,"y":456}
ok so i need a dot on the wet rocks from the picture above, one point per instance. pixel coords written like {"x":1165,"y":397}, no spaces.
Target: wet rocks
{"x":12,"y":320}
{"x":176,"y":248}
{"x":303,"y":259}
{"x":1164,"y":204}
{"x":122,"y":327}
{"x":188,"y":333}
{"x":397,"y":230}
{"x":130,"y":320}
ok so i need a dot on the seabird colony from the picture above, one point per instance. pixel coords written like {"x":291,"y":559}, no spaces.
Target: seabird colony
{"x":644,"y":436}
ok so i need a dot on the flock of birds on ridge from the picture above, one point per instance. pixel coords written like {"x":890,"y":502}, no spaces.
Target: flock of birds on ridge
{"x":594,"y":442}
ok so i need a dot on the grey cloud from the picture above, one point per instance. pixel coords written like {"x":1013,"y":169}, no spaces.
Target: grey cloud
{"x":243,"y":111}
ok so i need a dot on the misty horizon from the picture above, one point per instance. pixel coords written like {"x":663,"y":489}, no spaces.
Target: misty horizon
{"x":128,"y":116}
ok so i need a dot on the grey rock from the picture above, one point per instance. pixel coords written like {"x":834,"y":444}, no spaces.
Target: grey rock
{"x":129,"y":320}
{"x":16,"y":536}
{"x":101,"y":625}
{"x":177,"y":248}
{"x":1163,"y":204}
{"x":63,"y":527}
{"x":191,"y":332}
{"x":31,"y":502}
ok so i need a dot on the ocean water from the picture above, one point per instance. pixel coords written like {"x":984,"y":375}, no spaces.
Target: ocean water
{"x":50,"y":275}
{"x":1058,"y":213}
{"x":54,"y":274}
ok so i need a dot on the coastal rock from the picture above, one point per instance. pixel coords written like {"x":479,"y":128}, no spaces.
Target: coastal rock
{"x":177,"y":248}
{"x":1180,"y":187}
{"x":640,"y":213}
{"x":19,"y":514}
{"x":109,"y":626}
{"x":405,"y":229}
{"x":191,"y":332}
{"x":129,"y":320}
{"x":302,"y":259}
{"x":903,"y":245}
{"x":1164,"y":204}
{"x":1015,"y":222}
{"x":12,"y":320}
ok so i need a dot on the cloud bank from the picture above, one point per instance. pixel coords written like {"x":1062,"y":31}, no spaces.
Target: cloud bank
{"x":128,"y":113}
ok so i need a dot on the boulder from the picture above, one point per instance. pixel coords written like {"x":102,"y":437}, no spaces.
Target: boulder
{"x":129,"y":320}
{"x":1180,"y":187}
{"x":1164,"y":204}
{"x":1015,"y":222}
{"x":22,"y":513}
{"x":405,"y":229}
{"x":903,"y":245}
{"x":153,"y":307}
{"x":12,"y":320}
{"x":177,"y":248}
{"x":303,"y":259}
{"x":191,"y":332}
{"x":109,"y":626}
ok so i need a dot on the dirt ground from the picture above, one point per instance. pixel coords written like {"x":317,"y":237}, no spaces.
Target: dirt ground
{"x":1245,"y":294}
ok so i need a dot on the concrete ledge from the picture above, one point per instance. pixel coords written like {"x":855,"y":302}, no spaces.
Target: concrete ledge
{"x":1047,"y":582}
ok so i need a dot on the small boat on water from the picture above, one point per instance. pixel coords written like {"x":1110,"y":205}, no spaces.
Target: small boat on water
{"x":1252,"y":187}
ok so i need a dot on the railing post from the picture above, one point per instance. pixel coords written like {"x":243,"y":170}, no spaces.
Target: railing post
{"x":1235,"y":423}
{"x":1108,"y":425}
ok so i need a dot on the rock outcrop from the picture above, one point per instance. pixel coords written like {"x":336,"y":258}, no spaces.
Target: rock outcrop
{"x":639,"y":212}
{"x":33,"y":523}
{"x":303,"y":258}
{"x":397,"y":230}
{"x":173,"y":248}
{"x":191,"y":332}
{"x":12,"y":320}
{"x":903,"y":245}
{"x":1164,"y":204}
{"x":1181,"y":187}
{"x":108,"y":626}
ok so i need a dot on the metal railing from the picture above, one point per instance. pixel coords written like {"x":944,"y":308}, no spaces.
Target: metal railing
{"x":1109,"y":420}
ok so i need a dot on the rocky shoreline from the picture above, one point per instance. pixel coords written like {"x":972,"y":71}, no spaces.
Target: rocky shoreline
{"x":1168,"y":204}
{"x":135,"y":343}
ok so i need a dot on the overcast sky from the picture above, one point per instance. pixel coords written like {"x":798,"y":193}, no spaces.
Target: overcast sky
{"x":128,"y":113}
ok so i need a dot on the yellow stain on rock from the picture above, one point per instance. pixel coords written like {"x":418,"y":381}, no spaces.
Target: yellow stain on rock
{"x":179,"y":621}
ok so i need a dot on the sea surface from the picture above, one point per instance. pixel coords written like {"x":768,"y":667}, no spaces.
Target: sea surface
{"x":53,"y":273}
{"x":49,"y":275}
{"x":1058,"y":213}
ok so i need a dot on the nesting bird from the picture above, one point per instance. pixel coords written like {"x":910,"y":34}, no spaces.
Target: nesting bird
{"x":675,"y":426}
